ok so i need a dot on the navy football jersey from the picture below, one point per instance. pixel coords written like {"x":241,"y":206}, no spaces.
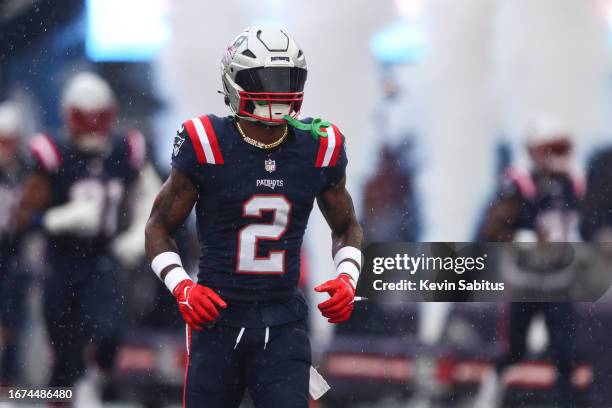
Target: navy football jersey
{"x":10,"y":191}
{"x":252,"y":210}
{"x":105,"y":177}
{"x":550,"y":204}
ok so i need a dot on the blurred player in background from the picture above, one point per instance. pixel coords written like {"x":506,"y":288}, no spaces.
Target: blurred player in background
{"x":77,"y":194}
{"x":13,"y":279}
{"x":389,"y":196}
{"x":539,"y":205}
{"x":597,"y":218}
{"x":253,"y":178}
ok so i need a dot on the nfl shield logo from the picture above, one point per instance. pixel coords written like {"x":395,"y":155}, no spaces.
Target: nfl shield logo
{"x":270,"y":165}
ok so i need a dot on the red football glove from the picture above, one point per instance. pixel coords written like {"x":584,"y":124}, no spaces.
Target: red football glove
{"x":339,"y":307}
{"x":197,"y":303}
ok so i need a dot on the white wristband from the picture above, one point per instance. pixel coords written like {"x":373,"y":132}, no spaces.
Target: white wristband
{"x":163,"y":260}
{"x":350,"y":269}
{"x":174,"y":277}
{"x":348,"y":252}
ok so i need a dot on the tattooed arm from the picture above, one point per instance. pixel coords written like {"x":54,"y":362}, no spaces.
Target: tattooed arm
{"x":197,"y":303}
{"x":170,"y":210}
{"x":337,"y":208}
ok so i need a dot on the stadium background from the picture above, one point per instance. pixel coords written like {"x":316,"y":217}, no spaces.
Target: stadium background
{"x":433,"y":97}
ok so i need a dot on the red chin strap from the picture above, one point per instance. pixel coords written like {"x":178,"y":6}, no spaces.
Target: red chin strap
{"x":101,"y":121}
{"x":293,"y":99}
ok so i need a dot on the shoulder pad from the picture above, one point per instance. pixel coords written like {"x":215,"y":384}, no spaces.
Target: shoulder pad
{"x":579,"y":185}
{"x":46,"y":152}
{"x":137,"y":148}
{"x":204,"y":140}
{"x":329,"y":147}
{"x":522,"y":181}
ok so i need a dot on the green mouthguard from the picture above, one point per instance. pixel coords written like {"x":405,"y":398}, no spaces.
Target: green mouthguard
{"x":313,"y":127}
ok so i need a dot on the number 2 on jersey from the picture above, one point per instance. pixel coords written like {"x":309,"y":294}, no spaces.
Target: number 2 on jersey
{"x":249,"y":236}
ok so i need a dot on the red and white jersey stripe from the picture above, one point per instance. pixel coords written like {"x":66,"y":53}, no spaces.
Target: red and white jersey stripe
{"x":329,"y":147}
{"x":204,"y":140}
{"x":138,"y":148}
{"x":46,"y":152}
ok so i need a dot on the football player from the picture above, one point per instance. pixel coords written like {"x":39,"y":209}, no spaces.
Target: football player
{"x":538,"y":205}
{"x":253,"y":177}
{"x":13,"y":277}
{"x":76,"y":194}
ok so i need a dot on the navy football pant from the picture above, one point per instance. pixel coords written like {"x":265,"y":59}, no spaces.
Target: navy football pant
{"x":82,"y":307}
{"x":561,"y":327}
{"x":275,"y":373}
{"x":14,"y":283}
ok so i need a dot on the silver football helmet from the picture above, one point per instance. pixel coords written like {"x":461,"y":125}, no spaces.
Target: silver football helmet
{"x":263,"y":73}
{"x":90,"y":110}
{"x":550,"y":144}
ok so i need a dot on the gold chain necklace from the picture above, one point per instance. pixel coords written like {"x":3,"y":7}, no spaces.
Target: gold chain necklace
{"x":259,"y":144}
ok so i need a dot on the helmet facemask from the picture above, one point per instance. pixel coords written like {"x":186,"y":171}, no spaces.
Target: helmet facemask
{"x":553,"y":156}
{"x":269,"y":94}
{"x":269,"y":106}
{"x":91,"y":130}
